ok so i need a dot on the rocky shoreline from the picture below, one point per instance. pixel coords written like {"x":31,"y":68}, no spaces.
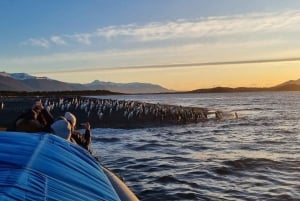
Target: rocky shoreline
{"x":104,"y":113}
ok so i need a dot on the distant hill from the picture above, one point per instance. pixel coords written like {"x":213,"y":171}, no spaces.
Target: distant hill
{"x":287,"y":87}
{"x":292,"y":85}
{"x":227,"y":89}
{"x":26,"y":82}
{"x":290,"y":82}
{"x":134,"y":87}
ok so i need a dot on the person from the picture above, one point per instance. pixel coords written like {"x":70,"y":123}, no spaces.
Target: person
{"x":62,"y":128}
{"x":65,"y":127}
{"x":43,"y":116}
{"x":36,"y":119}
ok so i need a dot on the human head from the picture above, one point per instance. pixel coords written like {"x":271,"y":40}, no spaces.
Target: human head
{"x":71,"y":118}
{"x":62,"y":128}
{"x":37,"y":106}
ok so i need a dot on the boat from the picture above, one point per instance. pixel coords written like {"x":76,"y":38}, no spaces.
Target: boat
{"x":43,"y":166}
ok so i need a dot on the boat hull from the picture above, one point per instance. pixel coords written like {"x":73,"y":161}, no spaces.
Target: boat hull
{"x":46,"y":167}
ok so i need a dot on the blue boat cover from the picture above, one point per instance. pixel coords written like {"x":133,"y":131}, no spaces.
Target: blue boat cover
{"x":46,"y":167}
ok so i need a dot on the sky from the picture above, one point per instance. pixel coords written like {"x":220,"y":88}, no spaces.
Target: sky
{"x":178,"y":44}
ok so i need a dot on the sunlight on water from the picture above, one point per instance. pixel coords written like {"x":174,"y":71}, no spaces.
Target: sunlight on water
{"x":236,"y":154}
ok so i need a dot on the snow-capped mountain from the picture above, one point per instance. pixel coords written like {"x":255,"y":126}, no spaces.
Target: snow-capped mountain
{"x":26,"y":82}
{"x":20,"y":76}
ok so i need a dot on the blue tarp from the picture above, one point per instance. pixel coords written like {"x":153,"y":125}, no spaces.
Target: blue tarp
{"x":46,"y":167}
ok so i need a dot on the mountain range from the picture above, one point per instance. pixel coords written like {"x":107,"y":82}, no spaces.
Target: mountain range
{"x":29,"y":83}
{"x":26,"y":82}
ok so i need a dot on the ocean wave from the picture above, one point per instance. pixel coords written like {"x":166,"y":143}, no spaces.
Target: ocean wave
{"x":264,"y":164}
{"x":167,"y":179}
{"x":106,"y":139}
{"x":251,"y":163}
{"x":143,"y":147}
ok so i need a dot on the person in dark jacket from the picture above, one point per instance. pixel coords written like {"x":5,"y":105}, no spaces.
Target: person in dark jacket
{"x":36,"y":119}
{"x":65,"y":127}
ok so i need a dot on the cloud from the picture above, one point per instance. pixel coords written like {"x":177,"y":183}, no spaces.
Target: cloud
{"x":37,"y":42}
{"x":253,"y":24}
{"x":58,"y":40}
{"x":45,"y":43}
{"x":83,"y":38}
{"x":206,"y":27}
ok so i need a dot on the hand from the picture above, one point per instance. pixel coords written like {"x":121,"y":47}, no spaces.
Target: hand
{"x":38,"y":106}
{"x":87,"y":126}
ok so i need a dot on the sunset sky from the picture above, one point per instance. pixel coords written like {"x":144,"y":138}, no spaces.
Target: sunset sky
{"x":178,"y":44}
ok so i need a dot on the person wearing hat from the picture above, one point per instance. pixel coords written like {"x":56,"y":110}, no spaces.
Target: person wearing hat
{"x":62,"y":128}
{"x":65,"y":128}
{"x":43,"y":116}
{"x":36,"y":119}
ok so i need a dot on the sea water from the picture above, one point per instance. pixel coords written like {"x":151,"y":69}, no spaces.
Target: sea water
{"x":253,"y":157}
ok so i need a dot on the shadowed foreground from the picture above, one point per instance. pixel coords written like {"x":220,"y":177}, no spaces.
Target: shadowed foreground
{"x":105,"y":112}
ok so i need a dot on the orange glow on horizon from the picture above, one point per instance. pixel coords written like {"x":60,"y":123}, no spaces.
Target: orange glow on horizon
{"x":191,"y":78}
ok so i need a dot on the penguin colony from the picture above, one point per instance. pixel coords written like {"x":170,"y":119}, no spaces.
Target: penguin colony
{"x":108,"y":113}
{"x":124,"y":114}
